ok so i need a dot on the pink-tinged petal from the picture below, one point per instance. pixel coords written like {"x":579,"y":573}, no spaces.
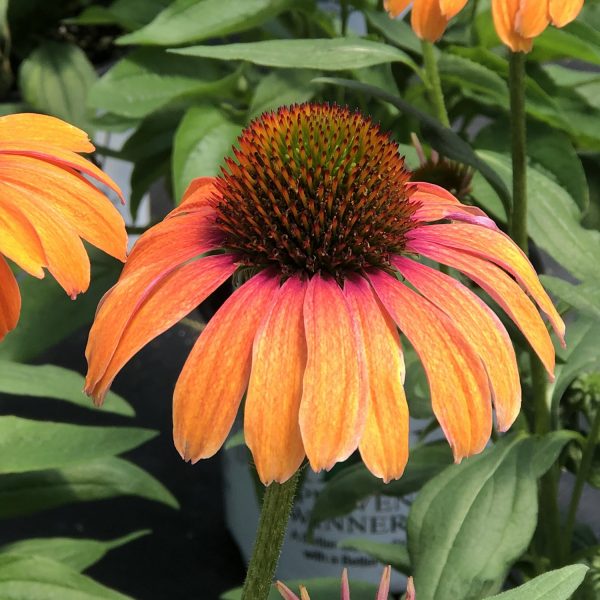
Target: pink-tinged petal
{"x":384,"y":443}
{"x":164,"y":304}
{"x":500,"y":249}
{"x":395,"y":8}
{"x":215,"y":375}
{"x":430,"y":192}
{"x":285,"y":591}
{"x":531,"y":18}
{"x":410,"y":590}
{"x":460,"y":394}
{"x":197,"y":196}
{"x":480,"y":326}
{"x":345,"y":591}
{"x":562,"y":12}
{"x":502,"y":288}
{"x":427,"y":20}
{"x":271,"y":426}
{"x":384,"y":586}
{"x":334,"y":403}
{"x":10,"y":299}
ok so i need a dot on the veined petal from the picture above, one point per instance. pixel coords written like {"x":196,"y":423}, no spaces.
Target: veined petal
{"x":82,"y":205}
{"x":562,"y":12}
{"x":504,"y":13}
{"x":32,"y":127}
{"x":271,"y":426}
{"x":164,"y":304}
{"x":531,"y":18}
{"x":450,"y":8}
{"x":215,"y":375}
{"x":334,"y":403}
{"x":427,"y":20}
{"x":384,"y":443}
{"x":504,"y":290}
{"x":480,"y":326}
{"x":500,"y":249}
{"x":460,"y":394}
{"x":197,"y":196}
{"x":10,"y":299}
{"x":396,"y":7}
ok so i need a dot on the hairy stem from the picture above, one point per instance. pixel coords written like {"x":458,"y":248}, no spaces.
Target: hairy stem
{"x":434,"y":85}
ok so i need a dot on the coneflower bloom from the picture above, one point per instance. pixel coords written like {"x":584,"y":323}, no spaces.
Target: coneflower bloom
{"x":429,"y":18}
{"x":382,"y":592}
{"x":519,"y":22}
{"x":317,"y":209}
{"x":47,"y":206}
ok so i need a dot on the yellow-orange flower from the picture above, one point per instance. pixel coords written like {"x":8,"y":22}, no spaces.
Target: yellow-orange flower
{"x":429,"y":18}
{"x":47,"y":206}
{"x":318,"y":210}
{"x":519,"y":22}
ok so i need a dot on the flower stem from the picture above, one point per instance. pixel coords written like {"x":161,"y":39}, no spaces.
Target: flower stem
{"x":274,"y":516}
{"x":433,"y":83}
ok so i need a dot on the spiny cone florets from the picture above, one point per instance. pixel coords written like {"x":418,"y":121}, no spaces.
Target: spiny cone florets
{"x":314,"y":189}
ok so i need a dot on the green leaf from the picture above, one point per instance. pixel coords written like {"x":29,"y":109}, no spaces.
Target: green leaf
{"x":129,"y":14}
{"x":395,"y":555}
{"x":187,"y":21}
{"x":27,"y":445}
{"x":548,"y":448}
{"x":56,"y":78}
{"x":78,"y":554}
{"x":555,"y":585}
{"x":39,"y":578}
{"x":202,"y":139}
{"x":323,"y":54}
{"x":568,"y":43}
{"x":396,"y":31}
{"x":470,"y":523}
{"x":149,"y":79}
{"x":584,"y":297}
{"x":26,"y":493}
{"x":47,"y":381}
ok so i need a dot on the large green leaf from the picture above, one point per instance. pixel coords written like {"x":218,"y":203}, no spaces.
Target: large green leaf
{"x":321,"y":588}
{"x":469,"y":524}
{"x":323,"y":54}
{"x":395,"y":555}
{"x":47,"y":381}
{"x":27,"y":445}
{"x":56,"y":78}
{"x":26,"y":493}
{"x":149,"y":79}
{"x":187,"y":21}
{"x":584,"y":297}
{"x":396,"y":31}
{"x":40,"y":578}
{"x":78,"y":554}
{"x":129,"y":14}
{"x":554,"y":585}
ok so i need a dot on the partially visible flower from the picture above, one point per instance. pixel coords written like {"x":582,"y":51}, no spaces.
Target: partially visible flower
{"x":429,"y":18}
{"x":519,"y":22}
{"x":47,"y":207}
{"x":382,"y":593}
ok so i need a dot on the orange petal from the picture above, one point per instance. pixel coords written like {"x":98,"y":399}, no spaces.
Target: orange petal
{"x":450,"y":8}
{"x":460,"y":394}
{"x":499,"y":248}
{"x":334,"y":403}
{"x":166,"y":303}
{"x":504,"y":13}
{"x":82,"y":205}
{"x":502,"y":289}
{"x":197,"y":196}
{"x":271,"y":426}
{"x":480,"y":326}
{"x":531,"y":18}
{"x":65,"y":254}
{"x":215,"y":375}
{"x":10,"y":299}
{"x":427,"y":20}
{"x":396,"y":7}
{"x":285,"y":591}
{"x":562,"y":12}
{"x":384,"y":443}
{"x":31,"y":127}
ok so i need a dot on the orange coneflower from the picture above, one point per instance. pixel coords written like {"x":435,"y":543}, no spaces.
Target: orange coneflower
{"x":47,"y":206}
{"x":429,"y":18}
{"x":317,"y":208}
{"x":518,"y":22}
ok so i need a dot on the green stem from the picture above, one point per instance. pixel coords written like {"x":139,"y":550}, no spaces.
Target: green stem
{"x":582,"y":475}
{"x":434,"y":85}
{"x":274,"y":516}
{"x":345,"y":12}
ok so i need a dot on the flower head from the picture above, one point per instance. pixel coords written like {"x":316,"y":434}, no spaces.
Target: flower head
{"x":47,"y":207}
{"x":317,"y":206}
{"x":429,"y":18}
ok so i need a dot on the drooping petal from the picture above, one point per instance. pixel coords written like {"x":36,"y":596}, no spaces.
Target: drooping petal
{"x":196,"y":196}
{"x":480,"y":326}
{"x":164,"y":304}
{"x":427,"y":20}
{"x":450,"y":8}
{"x":396,"y":7}
{"x":384,"y":443}
{"x":10,"y":299}
{"x":215,"y":375}
{"x":562,"y":12}
{"x":32,"y":127}
{"x":531,"y":18}
{"x":460,"y":393}
{"x":504,"y":290}
{"x":500,"y":249}
{"x":271,"y":426}
{"x":334,"y":402}
{"x":82,"y":205}
{"x":504,"y":13}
